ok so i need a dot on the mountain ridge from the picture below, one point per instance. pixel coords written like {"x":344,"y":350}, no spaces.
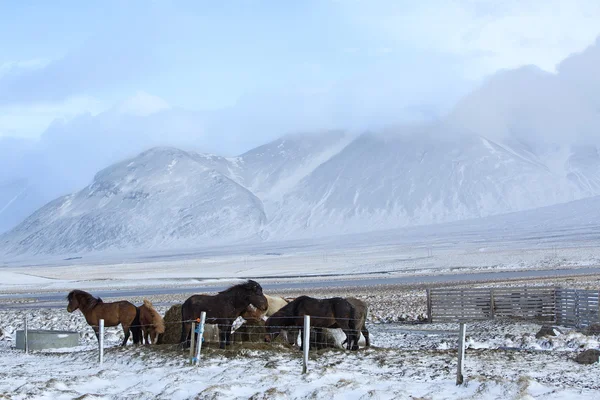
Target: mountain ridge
{"x":300,"y":186}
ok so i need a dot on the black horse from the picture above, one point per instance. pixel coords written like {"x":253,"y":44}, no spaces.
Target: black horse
{"x":334,"y":312}
{"x":221,"y":309}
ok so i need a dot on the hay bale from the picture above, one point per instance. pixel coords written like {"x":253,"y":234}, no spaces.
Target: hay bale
{"x":172,"y":333}
{"x":172,"y":318}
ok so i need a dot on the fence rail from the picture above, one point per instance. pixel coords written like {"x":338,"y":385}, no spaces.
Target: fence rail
{"x":568,"y":307}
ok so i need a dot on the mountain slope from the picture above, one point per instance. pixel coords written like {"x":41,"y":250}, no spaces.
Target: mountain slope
{"x":18,"y":199}
{"x":386,"y":181}
{"x":164,"y":197}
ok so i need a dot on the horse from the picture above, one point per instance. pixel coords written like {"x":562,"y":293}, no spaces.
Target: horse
{"x":275,"y":304}
{"x":113,"y":314}
{"x":221,"y":309}
{"x":334,"y":312}
{"x":361,"y":310}
{"x":151,"y":322}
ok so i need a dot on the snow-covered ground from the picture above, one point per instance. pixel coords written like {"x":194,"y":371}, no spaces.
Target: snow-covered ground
{"x":406,"y":361}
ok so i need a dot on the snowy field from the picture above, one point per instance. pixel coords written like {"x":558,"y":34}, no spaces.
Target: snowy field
{"x":290,"y":264}
{"x":504,"y":359}
{"x":405,"y":361}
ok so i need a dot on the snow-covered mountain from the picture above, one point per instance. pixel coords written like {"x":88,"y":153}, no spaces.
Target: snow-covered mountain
{"x":387,"y":181}
{"x":524,"y":139}
{"x":161,"y":198}
{"x":314,"y":186}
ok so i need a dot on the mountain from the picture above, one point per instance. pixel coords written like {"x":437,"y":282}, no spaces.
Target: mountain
{"x":162,"y":197}
{"x":272,"y":170}
{"x":303,"y":186}
{"x":384,"y":181}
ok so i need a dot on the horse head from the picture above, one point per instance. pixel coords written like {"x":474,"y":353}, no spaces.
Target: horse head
{"x":255,"y":295}
{"x":73,"y":301}
{"x":78,"y":299}
{"x":272,"y":330}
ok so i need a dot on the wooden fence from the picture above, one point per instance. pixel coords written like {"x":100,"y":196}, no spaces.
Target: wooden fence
{"x":568,"y":307}
{"x":577,"y":307}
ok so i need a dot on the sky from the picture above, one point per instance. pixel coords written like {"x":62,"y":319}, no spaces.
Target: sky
{"x":280,"y":66}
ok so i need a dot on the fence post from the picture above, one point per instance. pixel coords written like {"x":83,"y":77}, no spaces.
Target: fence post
{"x":101,"y":342}
{"x":461,"y":354}
{"x":429,"y":316}
{"x":25,"y":336}
{"x":492,"y":303}
{"x":200,"y":329}
{"x":192,"y":342}
{"x":305,"y":343}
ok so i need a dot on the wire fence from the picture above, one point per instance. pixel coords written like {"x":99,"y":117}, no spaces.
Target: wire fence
{"x":293,"y":335}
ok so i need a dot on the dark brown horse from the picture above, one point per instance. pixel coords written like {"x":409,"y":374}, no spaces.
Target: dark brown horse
{"x":360,"y":314}
{"x":113,"y":314}
{"x":221,"y":309}
{"x":335,"y":312}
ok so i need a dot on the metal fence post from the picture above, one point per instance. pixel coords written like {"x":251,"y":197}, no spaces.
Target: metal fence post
{"x":461,"y":354}
{"x":25,"y":336}
{"x":492,"y":303}
{"x":200,"y":329}
{"x":429,"y":316}
{"x":101,"y":342}
{"x":192,"y":342}
{"x":305,"y":343}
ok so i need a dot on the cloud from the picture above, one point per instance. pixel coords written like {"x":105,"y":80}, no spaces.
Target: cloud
{"x":493,"y":34}
{"x":95,"y":67}
{"x":32,"y":119}
{"x":581,"y":71}
{"x":539,"y":108}
{"x":142,"y":104}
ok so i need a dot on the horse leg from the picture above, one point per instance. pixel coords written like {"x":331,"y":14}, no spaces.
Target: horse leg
{"x":186,"y":327}
{"x":365,"y":333}
{"x":319,"y":343}
{"x":145,"y":335}
{"x":223,"y":337}
{"x":97,"y":332}
{"x":126,"y":329}
{"x":228,"y":334}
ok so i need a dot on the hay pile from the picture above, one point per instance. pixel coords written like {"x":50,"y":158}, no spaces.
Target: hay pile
{"x":172,"y":334}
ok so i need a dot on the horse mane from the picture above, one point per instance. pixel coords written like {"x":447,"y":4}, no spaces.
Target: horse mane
{"x":87,"y":300}
{"x":246,"y":286}
{"x":157,"y":320}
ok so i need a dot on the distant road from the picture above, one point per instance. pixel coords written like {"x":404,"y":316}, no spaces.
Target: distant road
{"x":57,"y":299}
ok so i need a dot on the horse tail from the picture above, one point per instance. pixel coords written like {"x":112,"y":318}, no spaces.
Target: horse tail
{"x":136,"y":327}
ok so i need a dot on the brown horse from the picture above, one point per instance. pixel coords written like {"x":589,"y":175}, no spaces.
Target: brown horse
{"x":221,"y":309}
{"x":113,"y":314}
{"x":151,"y":322}
{"x":335,"y":312}
{"x":360,"y":313}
